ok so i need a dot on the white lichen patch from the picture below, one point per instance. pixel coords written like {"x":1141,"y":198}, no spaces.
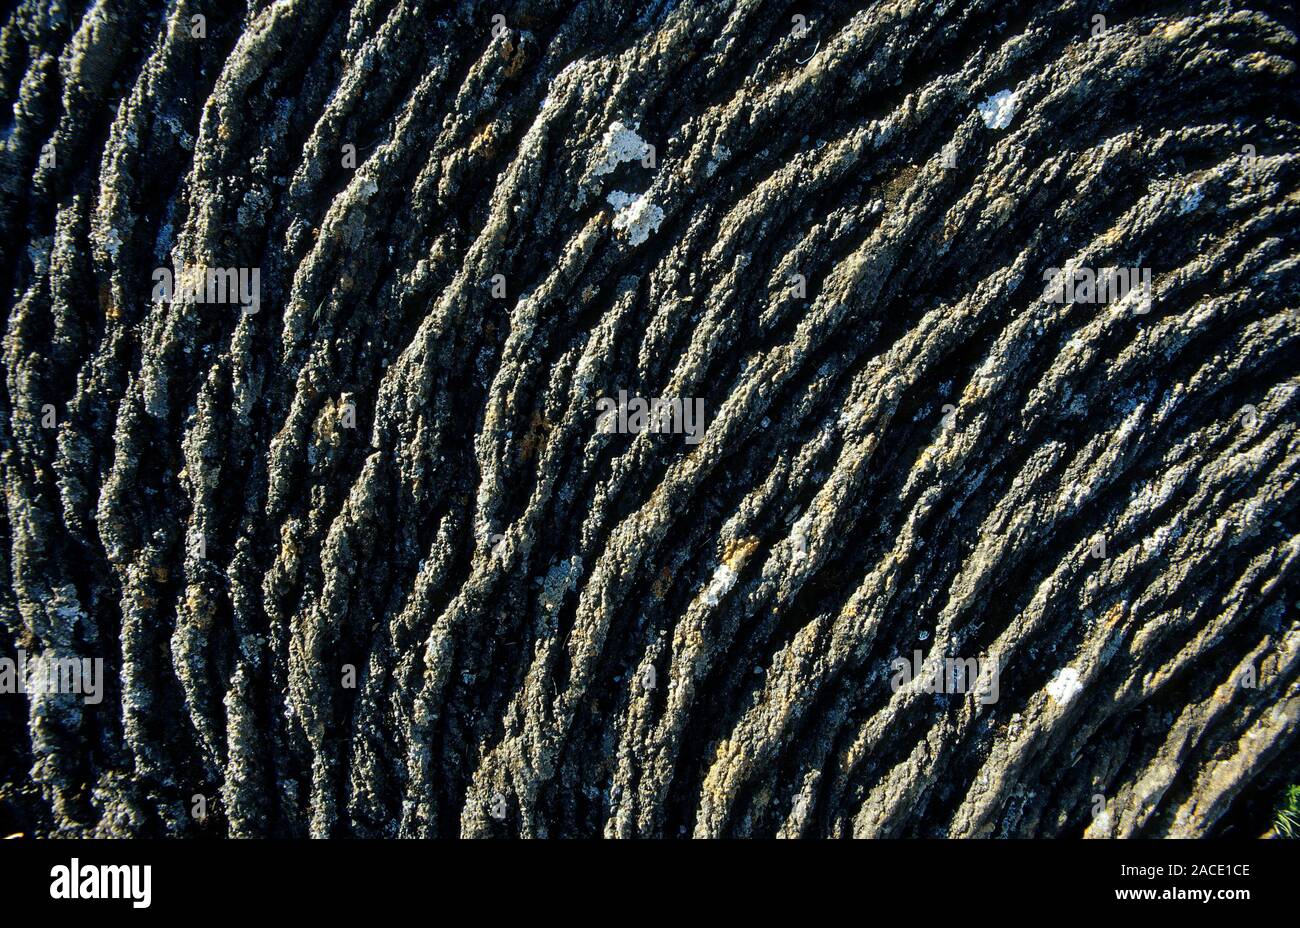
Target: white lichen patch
{"x":635,"y":214}
{"x":38,"y":252}
{"x":1160,"y":538}
{"x":619,"y":145}
{"x":112,"y":243}
{"x":799,"y":538}
{"x":998,"y":110}
{"x":724,"y":578}
{"x":1064,"y":685}
{"x":1102,"y":824}
{"x":720,"y":154}
{"x":560,"y":579}
{"x":1191,"y":201}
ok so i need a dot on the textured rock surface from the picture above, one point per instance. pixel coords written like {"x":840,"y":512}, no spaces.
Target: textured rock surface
{"x":562,"y":632}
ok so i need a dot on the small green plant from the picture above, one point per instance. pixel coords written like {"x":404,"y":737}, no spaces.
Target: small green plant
{"x":1287,"y":824}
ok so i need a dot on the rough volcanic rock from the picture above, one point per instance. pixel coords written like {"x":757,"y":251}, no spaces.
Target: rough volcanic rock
{"x":362,"y":561}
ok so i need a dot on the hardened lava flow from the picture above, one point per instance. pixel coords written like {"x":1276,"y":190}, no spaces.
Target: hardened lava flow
{"x":613,"y":418}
